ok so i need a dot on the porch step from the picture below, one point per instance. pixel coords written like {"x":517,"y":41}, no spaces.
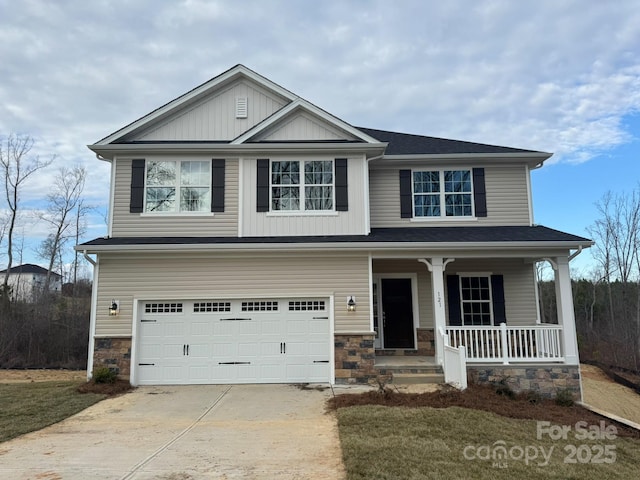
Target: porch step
{"x":416,"y":378}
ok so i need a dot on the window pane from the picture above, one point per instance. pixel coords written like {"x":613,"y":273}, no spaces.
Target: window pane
{"x":161,"y":199}
{"x":195,"y":174}
{"x":161,"y":173}
{"x":194,"y":199}
{"x":457,"y":181}
{"x":458,"y":205}
{"x":318,"y":172}
{"x":426,"y":182}
{"x":285,"y":173}
{"x":318,"y":198}
{"x":426,"y":205}
{"x":285,"y":198}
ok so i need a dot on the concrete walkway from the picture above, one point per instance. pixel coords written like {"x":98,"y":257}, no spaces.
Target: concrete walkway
{"x":188,"y":432}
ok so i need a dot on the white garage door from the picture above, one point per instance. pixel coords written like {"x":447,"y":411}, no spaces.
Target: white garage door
{"x":233,"y":341}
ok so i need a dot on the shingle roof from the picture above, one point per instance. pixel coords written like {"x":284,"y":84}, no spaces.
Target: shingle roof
{"x":436,"y":235}
{"x":407,"y":144}
{"x":29,"y":268}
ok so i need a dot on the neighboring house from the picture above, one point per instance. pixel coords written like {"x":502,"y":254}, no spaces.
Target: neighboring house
{"x":254,"y":238}
{"x":28,"y":280}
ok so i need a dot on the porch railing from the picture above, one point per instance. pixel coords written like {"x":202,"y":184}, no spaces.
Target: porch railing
{"x":508,"y":344}
{"x":454,"y":364}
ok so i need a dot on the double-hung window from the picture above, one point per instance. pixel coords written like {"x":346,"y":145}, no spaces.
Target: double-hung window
{"x":298,"y":185}
{"x":177,"y":186}
{"x":442,"y":193}
{"x":475,"y":298}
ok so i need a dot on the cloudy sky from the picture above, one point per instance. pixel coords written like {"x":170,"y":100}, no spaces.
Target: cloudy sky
{"x":559,"y":76}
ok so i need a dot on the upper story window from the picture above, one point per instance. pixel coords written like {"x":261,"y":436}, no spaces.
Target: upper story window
{"x":178,"y":186}
{"x":302,"y":185}
{"x":442,"y":193}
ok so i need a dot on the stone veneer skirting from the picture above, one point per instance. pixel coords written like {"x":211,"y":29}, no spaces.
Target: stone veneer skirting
{"x":355,"y":358}
{"x":114,"y":353}
{"x":545,"y":380}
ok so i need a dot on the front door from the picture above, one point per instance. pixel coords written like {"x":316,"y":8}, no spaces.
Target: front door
{"x":397,"y":313}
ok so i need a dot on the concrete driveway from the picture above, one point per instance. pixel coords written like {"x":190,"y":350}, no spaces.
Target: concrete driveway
{"x":186,"y":432}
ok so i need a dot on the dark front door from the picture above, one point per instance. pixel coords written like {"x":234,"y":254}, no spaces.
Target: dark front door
{"x":397,"y":313}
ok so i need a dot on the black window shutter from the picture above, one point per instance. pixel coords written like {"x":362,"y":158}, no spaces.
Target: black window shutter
{"x":262,"y":193}
{"x":479,"y":192}
{"x":497,"y":293}
{"x":405,"y":194}
{"x":453,"y":299}
{"x":136,"y":202}
{"x":342,"y":192}
{"x":217,"y":184}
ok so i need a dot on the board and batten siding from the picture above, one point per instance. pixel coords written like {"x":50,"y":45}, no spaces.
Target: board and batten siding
{"x":507,"y":197}
{"x":220,"y":224}
{"x":519,"y":285}
{"x":214,"y":118}
{"x":305,"y":127}
{"x":213,"y":276}
{"x":351,"y":222}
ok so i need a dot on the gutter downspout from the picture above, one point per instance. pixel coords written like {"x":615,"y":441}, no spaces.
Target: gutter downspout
{"x":576,"y":253}
{"x":92,"y":318}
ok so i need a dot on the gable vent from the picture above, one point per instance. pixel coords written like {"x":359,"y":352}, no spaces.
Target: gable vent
{"x":241,"y":107}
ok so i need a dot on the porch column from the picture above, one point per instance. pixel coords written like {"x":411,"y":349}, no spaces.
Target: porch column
{"x":436,"y":266}
{"x":566,"y":315}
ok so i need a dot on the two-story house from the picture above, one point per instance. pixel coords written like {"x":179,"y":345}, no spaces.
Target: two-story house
{"x":27,"y":281}
{"x":256,"y":238}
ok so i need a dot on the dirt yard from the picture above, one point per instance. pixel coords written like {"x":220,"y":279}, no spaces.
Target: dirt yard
{"x":22,"y":376}
{"x":601,"y":392}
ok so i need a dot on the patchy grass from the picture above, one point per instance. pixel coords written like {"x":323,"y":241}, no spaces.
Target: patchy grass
{"x":381,"y":442}
{"x":25,"y":407}
{"x":462,"y":435}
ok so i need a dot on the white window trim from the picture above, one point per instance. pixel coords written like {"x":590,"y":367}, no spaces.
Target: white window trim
{"x":176,"y":213}
{"x":486,"y":275}
{"x":443,"y":216}
{"x":301,"y":186}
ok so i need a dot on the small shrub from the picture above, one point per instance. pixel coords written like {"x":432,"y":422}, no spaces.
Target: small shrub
{"x":533,"y":397}
{"x":104,"y":375}
{"x":503,"y":389}
{"x":564,"y":397}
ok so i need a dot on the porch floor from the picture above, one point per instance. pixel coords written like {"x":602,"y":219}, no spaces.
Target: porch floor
{"x":412,"y":361}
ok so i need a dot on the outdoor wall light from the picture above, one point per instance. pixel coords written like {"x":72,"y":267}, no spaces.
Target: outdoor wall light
{"x":351,"y":304}
{"x":114,"y":308}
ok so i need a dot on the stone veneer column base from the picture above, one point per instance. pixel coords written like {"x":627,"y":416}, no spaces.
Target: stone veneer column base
{"x":114,"y":353}
{"x":546,"y":380}
{"x":354,"y":358}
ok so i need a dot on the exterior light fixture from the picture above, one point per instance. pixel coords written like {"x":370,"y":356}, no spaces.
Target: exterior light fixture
{"x":114,"y":308}
{"x":351,"y":304}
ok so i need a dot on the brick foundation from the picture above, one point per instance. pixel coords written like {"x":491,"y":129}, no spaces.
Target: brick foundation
{"x":544,"y":380}
{"x":114,"y":353}
{"x":355,"y":358}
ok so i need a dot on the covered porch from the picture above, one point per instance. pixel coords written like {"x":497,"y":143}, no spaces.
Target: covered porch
{"x":487,"y":305}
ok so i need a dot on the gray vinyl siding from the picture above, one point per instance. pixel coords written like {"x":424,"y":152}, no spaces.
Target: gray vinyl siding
{"x":519,"y":285}
{"x":397,"y":266}
{"x":126,"y":224}
{"x":507,"y":197}
{"x":351,"y":222}
{"x":164,"y":276}
{"x":214,"y":118}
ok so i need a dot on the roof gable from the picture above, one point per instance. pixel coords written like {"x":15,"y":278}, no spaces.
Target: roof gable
{"x":29,"y":268}
{"x":174,"y":118}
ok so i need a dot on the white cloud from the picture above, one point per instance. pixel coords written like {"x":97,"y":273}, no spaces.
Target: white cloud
{"x":543,"y":74}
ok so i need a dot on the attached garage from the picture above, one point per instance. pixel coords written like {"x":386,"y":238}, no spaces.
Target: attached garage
{"x":225,"y":341}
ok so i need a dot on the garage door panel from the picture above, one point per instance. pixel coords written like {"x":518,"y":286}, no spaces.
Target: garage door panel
{"x":240,"y":341}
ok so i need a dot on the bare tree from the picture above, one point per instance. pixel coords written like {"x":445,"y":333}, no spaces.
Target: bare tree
{"x":62,"y":202}
{"x":16,"y":166}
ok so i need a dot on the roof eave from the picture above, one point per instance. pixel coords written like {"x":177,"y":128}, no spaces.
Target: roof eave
{"x":107,"y":152}
{"x":343,"y":246}
{"x":534,"y":159}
